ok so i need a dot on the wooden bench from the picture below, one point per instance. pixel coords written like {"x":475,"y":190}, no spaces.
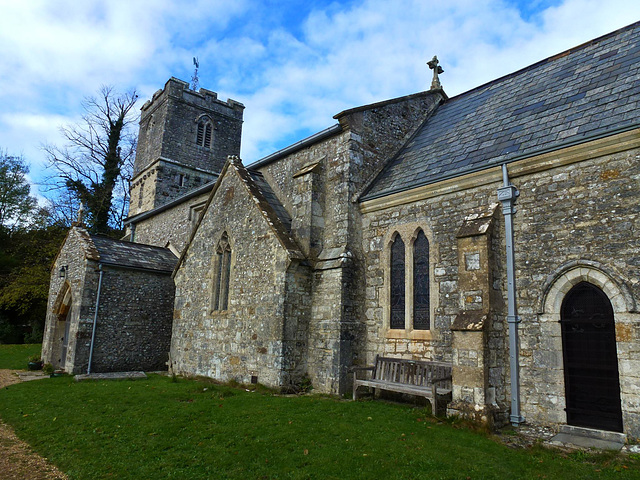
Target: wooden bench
{"x":415,"y":377}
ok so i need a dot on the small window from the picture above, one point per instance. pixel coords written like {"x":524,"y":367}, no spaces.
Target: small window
{"x":181,"y":180}
{"x":194,"y":215}
{"x":222,"y":273}
{"x":141,"y":195}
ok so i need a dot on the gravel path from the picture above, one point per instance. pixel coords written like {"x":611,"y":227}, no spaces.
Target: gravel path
{"x":17,"y":460}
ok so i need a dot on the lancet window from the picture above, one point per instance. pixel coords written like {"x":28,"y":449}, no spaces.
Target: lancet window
{"x":221,"y":274}
{"x":421,"y":282}
{"x":398,"y":299}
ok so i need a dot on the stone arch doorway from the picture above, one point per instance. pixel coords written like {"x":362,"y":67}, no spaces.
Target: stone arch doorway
{"x":592,"y":385}
{"x":61,"y":334}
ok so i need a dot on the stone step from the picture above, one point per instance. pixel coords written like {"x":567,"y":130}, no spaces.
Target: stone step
{"x":571,"y":436}
{"x":592,"y":433}
{"x":110,"y":376}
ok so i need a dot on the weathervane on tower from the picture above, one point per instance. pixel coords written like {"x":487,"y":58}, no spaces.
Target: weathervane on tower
{"x":195,"y":80}
{"x":434,"y":65}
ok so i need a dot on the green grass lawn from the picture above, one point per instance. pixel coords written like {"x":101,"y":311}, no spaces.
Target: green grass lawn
{"x":16,"y":357}
{"x":157,"y":429}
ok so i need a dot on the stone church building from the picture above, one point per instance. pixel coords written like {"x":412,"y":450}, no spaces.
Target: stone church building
{"x":384,"y":235}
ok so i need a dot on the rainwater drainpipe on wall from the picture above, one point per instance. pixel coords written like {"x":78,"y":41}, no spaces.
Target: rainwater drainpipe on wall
{"x":507,"y":194}
{"x":95,"y":319}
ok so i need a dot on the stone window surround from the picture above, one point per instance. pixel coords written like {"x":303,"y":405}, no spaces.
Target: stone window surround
{"x":216,"y":272}
{"x":408,"y":232}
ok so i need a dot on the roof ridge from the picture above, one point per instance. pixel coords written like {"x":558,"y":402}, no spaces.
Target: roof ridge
{"x":126,"y":242}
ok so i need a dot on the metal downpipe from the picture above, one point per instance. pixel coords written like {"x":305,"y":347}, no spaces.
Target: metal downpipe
{"x":507,"y":194}
{"x":95,"y":319}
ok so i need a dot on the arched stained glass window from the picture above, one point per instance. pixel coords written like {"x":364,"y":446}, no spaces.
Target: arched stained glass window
{"x":421,"y":319}
{"x":397,"y":284}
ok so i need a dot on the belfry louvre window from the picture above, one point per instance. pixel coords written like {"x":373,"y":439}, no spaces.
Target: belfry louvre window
{"x":205,"y":131}
{"x":221,"y":275}
{"x":397,"y":284}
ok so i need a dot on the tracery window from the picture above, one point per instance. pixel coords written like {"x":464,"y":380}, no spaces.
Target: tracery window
{"x":205,"y":132}
{"x":222,"y":273}
{"x":409,"y":282}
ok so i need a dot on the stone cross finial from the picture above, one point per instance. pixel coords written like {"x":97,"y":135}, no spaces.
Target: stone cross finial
{"x":437,"y":69}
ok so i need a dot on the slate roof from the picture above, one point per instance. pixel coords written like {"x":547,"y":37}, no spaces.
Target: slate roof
{"x":133,"y":255}
{"x":271,"y":198}
{"x":271,"y":208}
{"x":590,"y":91}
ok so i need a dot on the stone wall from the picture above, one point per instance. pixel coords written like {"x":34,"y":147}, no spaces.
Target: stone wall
{"x":134,"y":315}
{"x":318,"y":186}
{"x":169,"y":161}
{"x":251,"y":340}
{"x":583,"y":217}
{"x":577,"y":217}
{"x":172,"y":226}
{"x":163,"y":182}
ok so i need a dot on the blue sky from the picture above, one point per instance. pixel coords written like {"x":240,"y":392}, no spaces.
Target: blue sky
{"x":293,"y":64}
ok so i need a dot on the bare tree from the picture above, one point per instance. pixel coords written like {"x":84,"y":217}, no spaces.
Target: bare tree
{"x":95,"y":165}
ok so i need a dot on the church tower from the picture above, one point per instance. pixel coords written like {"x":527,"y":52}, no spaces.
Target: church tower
{"x":185,"y":137}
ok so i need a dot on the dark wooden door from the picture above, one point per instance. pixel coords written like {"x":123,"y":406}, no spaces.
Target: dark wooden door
{"x":65,"y":343}
{"x":592,"y":384}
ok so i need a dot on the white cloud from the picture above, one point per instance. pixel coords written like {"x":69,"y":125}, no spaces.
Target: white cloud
{"x":292,"y":77}
{"x":378,"y":49}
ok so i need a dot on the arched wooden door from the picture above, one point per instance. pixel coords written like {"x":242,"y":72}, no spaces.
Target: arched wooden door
{"x":592,"y":385}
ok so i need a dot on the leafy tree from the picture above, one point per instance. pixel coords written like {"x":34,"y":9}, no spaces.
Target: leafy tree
{"x":26,"y":256}
{"x":16,"y":203}
{"x":95,"y":164}
{"x":28,"y":243}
